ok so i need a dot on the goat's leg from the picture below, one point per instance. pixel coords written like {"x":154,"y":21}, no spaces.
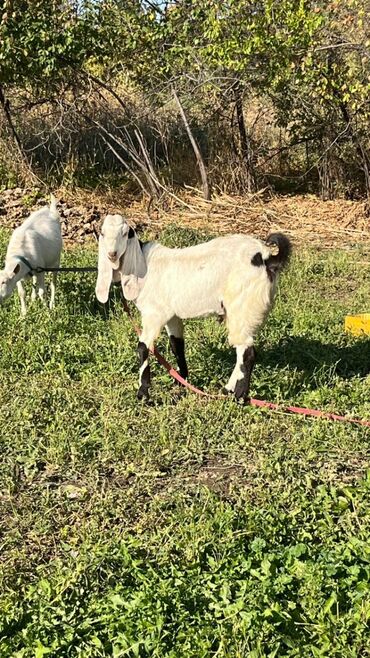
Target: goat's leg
{"x":242,"y":386}
{"x":175,"y":330}
{"x":151,"y":330}
{"x":53,"y":283}
{"x":41,"y":285}
{"x":34,"y":283}
{"x":22,"y":297}
{"x":239,"y":381}
{"x":244,"y":317}
{"x":144,"y":373}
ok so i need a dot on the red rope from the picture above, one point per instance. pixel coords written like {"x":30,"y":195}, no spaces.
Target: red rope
{"x":303,"y":411}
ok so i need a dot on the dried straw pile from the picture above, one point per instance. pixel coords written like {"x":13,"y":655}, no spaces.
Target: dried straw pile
{"x":306,"y":219}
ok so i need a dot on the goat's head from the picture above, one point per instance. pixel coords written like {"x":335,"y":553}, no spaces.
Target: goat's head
{"x":114,"y":234}
{"x":119,"y":249}
{"x":8,"y":279}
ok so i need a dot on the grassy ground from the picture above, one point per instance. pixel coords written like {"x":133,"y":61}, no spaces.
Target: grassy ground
{"x":190,"y":528}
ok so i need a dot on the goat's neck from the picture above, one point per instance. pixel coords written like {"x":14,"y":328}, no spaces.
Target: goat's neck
{"x":22,"y":272}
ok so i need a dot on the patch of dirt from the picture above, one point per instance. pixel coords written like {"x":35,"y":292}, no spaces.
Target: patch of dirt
{"x":218,"y":476}
{"x":344,"y":471}
{"x":305,"y":218}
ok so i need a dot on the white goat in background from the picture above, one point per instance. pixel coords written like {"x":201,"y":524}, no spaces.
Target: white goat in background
{"x":36,"y":243}
{"x":233,"y":276}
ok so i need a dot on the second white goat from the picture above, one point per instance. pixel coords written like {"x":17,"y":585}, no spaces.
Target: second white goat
{"x":37,"y":243}
{"x":233,"y":276}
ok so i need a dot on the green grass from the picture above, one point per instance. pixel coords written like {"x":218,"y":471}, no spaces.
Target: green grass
{"x":191,"y":528}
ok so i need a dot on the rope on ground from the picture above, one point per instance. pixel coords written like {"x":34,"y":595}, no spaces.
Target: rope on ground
{"x":302,"y":411}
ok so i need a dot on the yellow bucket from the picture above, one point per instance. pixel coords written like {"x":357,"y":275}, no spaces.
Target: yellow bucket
{"x":358,"y":324}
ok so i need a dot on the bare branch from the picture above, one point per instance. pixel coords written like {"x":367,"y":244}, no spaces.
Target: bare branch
{"x":196,"y":149}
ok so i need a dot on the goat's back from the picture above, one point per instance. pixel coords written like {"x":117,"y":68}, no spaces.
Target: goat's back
{"x":217,"y":256}
{"x":39,"y":238}
{"x":191,"y":282}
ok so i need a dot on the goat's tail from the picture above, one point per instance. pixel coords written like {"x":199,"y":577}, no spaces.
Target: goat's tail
{"x":53,"y":206}
{"x":280,"y":251}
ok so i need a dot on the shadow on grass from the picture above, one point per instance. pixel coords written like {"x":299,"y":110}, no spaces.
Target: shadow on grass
{"x":311,"y":355}
{"x":307,"y":355}
{"x":84,"y":289}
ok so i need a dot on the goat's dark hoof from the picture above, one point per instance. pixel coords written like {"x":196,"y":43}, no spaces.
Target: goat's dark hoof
{"x":143,"y":394}
{"x":225,"y":391}
{"x":242,"y":400}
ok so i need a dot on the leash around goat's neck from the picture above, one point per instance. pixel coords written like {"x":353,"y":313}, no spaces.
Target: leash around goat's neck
{"x":40,"y":270}
{"x":26,"y":262}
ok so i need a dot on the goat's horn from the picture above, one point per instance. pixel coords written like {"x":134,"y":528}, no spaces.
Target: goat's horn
{"x":274,"y":249}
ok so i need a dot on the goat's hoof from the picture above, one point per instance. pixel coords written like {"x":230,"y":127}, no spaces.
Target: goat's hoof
{"x":242,"y":400}
{"x":143,"y":394}
{"x":226,"y":391}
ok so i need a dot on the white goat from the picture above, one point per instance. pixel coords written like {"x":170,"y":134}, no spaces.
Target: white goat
{"x":36,"y":243}
{"x":233,"y":276}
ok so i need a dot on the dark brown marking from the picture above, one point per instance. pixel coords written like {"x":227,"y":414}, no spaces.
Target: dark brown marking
{"x":276,"y":263}
{"x":242,"y":385}
{"x":178,"y":348}
{"x":143,"y":391}
{"x":257,"y":259}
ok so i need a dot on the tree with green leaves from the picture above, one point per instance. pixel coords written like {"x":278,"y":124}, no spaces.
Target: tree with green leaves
{"x":305,"y":62}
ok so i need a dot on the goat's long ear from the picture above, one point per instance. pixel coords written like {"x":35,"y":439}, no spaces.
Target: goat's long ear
{"x":131,"y":286}
{"x":133,"y":258}
{"x":105,"y":274}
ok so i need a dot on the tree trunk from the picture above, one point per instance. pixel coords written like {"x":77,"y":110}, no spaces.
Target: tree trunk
{"x":324,"y":175}
{"x":196,"y":149}
{"x":325,"y":169}
{"x":245,"y":150}
{"x":27,"y":172}
{"x":15,"y":137}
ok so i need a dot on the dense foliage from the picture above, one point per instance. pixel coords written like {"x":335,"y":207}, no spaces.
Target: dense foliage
{"x":274,"y":90}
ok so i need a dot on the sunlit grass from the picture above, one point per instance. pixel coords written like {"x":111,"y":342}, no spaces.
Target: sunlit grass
{"x":190,"y":528}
